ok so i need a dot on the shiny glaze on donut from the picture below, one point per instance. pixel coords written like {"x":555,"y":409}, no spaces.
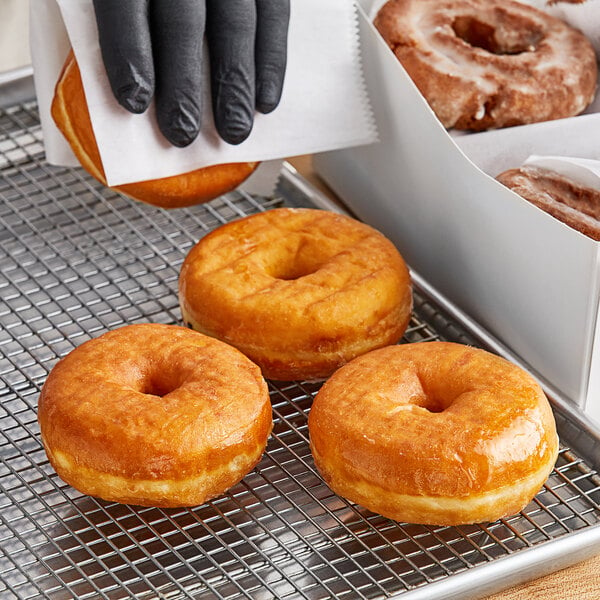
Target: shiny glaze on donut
{"x":155,"y":415}
{"x":433,"y":432}
{"x":299,"y":291}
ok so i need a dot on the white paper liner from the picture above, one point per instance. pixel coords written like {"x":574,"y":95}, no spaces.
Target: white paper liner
{"x":324,"y":104}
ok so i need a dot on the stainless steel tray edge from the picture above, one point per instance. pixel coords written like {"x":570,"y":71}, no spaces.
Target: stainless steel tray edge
{"x":506,"y":572}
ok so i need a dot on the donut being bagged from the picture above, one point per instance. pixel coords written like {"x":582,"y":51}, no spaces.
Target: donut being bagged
{"x":70,"y":113}
{"x":485,"y":64}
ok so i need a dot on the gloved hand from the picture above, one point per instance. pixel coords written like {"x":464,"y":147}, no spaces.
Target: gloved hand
{"x":154,"y":48}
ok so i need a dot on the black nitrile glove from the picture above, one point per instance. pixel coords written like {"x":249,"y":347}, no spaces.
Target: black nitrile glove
{"x":154,"y":48}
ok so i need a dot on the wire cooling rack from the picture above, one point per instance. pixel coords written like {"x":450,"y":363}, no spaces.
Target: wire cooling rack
{"x":76,"y":260}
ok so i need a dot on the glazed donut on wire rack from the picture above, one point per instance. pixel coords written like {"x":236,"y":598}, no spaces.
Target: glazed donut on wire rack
{"x":299,"y":291}
{"x":155,"y":415}
{"x":434,"y":433}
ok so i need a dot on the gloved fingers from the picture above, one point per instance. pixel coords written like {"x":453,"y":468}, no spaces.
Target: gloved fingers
{"x":126,"y":51}
{"x":231,"y":31}
{"x":273,"y":18}
{"x":177,"y":33}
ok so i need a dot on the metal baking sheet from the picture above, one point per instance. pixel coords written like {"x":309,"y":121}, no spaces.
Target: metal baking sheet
{"x":76,"y":260}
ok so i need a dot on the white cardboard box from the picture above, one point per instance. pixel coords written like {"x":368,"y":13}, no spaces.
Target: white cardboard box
{"x":528,"y":279}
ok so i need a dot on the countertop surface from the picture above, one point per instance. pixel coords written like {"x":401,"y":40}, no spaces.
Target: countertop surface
{"x":579,"y":582}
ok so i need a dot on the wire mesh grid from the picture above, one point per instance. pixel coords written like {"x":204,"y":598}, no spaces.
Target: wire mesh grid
{"x":76,"y":260}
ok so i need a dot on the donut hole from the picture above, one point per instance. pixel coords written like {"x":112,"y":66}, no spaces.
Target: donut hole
{"x":508,"y":39}
{"x":434,"y":405}
{"x":159,"y":384}
{"x":419,"y":388}
{"x":295,"y":270}
{"x":435,"y":397}
{"x":299,"y":261}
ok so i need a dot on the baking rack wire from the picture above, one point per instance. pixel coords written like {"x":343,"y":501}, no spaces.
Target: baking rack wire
{"x":76,"y":260}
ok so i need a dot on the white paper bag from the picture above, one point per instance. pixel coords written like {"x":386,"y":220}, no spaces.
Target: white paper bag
{"x":324,"y":104}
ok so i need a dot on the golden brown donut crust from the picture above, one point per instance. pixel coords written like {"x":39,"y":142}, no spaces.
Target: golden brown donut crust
{"x":566,"y":200}
{"x":484,"y":64}
{"x":70,"y":113}
{"x":433,"y":432}
{"x":299,"y":291}
{"x":155,"y":415}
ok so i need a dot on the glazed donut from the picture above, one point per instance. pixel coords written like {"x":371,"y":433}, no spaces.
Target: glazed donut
{"x":154,"y":415}
{"x":70,"y":113}
{"x":574,"y":204}
{"x":484,"y":64}
{"x":298,"y":291}
{"x":433,"y":433}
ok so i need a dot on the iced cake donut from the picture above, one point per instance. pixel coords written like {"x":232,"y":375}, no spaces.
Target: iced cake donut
{"x":576,"y":205}
{"x":484,"y":64}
